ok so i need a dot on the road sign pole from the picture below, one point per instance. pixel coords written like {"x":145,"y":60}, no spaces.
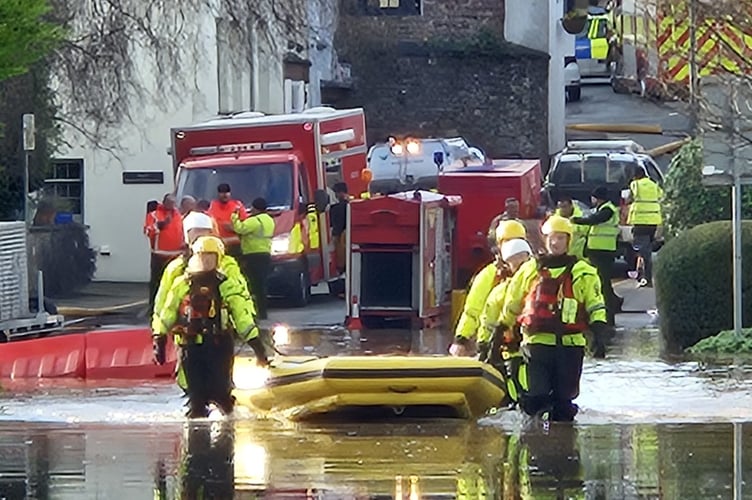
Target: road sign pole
{"x":737,"y":240}
{"x":29,"y":144}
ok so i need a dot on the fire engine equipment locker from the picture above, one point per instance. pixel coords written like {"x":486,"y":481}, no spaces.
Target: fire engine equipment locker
{"x":399,"y":262}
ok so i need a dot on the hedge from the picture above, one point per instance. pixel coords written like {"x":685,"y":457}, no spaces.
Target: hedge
{"x":694,"y":283}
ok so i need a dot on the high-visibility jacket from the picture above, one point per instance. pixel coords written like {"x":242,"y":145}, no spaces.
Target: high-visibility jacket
{"x":255,"y":232}
{"x":237,"y":309}
{"x":150,"y":228}
{"x":489,"y":318}
{"x":222,"y":213}
{"x":586,"y":287}
{"x":176,"y":268}
{"x":169,"y":240}
{"x":482,"y":284}
{"x":645,"y":208}
{"x":603,"y":236}
{"x":579,"y":237}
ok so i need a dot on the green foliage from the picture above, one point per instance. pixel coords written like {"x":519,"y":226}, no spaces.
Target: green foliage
{"x":687,"y":203}
{"x":23,"y":94}
{"x":694,"y":286}
{"x":25,"y":36}
{"x":725,"y":342}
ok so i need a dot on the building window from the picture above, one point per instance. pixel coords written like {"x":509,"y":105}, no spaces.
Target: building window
{"x":391,"y":7}
{"x":66,"y":186}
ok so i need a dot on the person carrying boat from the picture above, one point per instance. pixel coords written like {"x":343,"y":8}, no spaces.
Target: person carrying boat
{"x":501,"y":348}
{"x":481,"y":286}
{"x":195,"y":225}
{"x":555,"y":299}
{"x":203,"y":310}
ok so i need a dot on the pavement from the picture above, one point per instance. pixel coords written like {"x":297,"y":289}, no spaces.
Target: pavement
{"x":600,"y":104}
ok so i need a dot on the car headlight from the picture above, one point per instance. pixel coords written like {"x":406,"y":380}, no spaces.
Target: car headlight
{"x":281,"y":244}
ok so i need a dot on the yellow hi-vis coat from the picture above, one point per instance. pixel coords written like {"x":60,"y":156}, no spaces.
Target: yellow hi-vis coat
{"x":481,"y":287}
{"x":255,"y":232}
{"x":645,"y":209}
{"x":235,"y":300}
{"x":489,"y":318}
{"x":227,"y":266}
{"x":586,"y":286}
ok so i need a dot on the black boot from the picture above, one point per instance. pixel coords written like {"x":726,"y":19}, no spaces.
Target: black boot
{"x":197,"y":409}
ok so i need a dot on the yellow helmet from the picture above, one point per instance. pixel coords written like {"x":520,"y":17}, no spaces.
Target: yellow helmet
{"x":557,"y":224}
{"x":510,"y":230}
{"x":208,"y":244}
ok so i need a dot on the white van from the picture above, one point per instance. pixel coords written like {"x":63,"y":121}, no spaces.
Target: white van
{"x":405,"y":164}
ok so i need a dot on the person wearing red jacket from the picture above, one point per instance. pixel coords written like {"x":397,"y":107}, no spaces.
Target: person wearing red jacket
{"x":166,"y":236}
{"x":221,"y":210}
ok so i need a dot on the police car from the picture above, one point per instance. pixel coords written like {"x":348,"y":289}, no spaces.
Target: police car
{"x":593,"y":44}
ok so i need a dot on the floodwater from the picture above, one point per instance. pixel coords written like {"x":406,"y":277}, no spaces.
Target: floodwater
{"x":648,"y":429}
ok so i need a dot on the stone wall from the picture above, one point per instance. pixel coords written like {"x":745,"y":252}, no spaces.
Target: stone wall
{"x":445,"y":73}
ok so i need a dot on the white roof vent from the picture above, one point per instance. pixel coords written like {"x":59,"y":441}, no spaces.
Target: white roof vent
{"x":248,"y":114}
{"x":319,"y":110}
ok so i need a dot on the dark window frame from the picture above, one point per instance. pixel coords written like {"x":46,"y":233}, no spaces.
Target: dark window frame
{"x":65,"y":174}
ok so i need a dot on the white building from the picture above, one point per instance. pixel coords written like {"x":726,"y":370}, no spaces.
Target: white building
{"x":224,"y":70}
{"x":524,"y":24}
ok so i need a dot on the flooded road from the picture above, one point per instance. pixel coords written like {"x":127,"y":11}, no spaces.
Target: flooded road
{"x":647,"y":429}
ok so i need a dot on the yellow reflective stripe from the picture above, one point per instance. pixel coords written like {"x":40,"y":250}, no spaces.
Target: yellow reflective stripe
{"x":549,"y":339}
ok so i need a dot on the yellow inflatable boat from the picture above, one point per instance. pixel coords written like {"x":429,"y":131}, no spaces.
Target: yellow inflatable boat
{"x":302,"y":387}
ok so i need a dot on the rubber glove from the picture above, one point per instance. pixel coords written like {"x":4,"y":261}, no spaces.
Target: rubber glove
{"x":600,"y":332}
{"x":159,"y":342}
{"x":258,"y":348}
{"x":458,"y":347}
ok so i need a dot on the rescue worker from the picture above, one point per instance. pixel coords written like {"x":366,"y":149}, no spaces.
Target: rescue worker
{"x":338,"y":218}
{"x":502,"y":348}
{"x":555,"y":299}
{"x":480,"y":287}
{"x":221,"y":210}
{"x":567,"y":208}
{"x":511,"y":212}
{"x":600,"y":248}
{"x":195,"y":225}
{"x":256,"y":234}
{"x":644,"y":216}
{"x":203,"y":310}
{"x":187,"y":205}
{"x":150,"y":222}
{"x":167,"y":234}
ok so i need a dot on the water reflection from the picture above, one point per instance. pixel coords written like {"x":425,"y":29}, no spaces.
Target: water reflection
{"x":442,"y":459}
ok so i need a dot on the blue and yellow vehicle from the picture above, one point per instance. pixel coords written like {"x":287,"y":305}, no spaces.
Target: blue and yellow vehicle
{"x":592,"y":44}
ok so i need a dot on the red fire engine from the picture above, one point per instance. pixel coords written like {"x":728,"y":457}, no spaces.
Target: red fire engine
{"x":290,"y":160}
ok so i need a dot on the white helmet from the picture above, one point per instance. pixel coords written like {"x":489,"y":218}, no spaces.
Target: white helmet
{"x":513,"y":247}
{"x":196,"y":220}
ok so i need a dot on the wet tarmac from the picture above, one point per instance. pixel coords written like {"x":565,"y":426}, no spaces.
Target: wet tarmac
{"x":648,"y":428}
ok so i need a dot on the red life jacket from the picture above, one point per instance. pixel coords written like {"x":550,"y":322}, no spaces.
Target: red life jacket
{"x":201,"y":309}
{"x":542,"y":310}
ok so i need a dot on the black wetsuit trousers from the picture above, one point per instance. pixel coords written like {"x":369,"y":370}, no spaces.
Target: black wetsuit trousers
{"x":553,"y":375}
{"x":208,"y":372}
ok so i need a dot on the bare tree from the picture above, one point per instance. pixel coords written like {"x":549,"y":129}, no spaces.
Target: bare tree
{"x":103,"y":70}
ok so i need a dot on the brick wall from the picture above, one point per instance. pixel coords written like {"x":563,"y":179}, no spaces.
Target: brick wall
{"x":423,"y":75}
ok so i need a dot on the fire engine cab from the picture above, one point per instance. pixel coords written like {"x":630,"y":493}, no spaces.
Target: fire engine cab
{"x":292,"y":161}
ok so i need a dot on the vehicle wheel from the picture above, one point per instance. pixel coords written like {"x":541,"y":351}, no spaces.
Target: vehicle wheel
{"x":301,"y":296}
{"x":575,"y":94}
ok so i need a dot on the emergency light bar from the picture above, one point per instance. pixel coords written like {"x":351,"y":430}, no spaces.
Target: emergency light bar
{"x":241,"y":148}
{"x":409,"y":145}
